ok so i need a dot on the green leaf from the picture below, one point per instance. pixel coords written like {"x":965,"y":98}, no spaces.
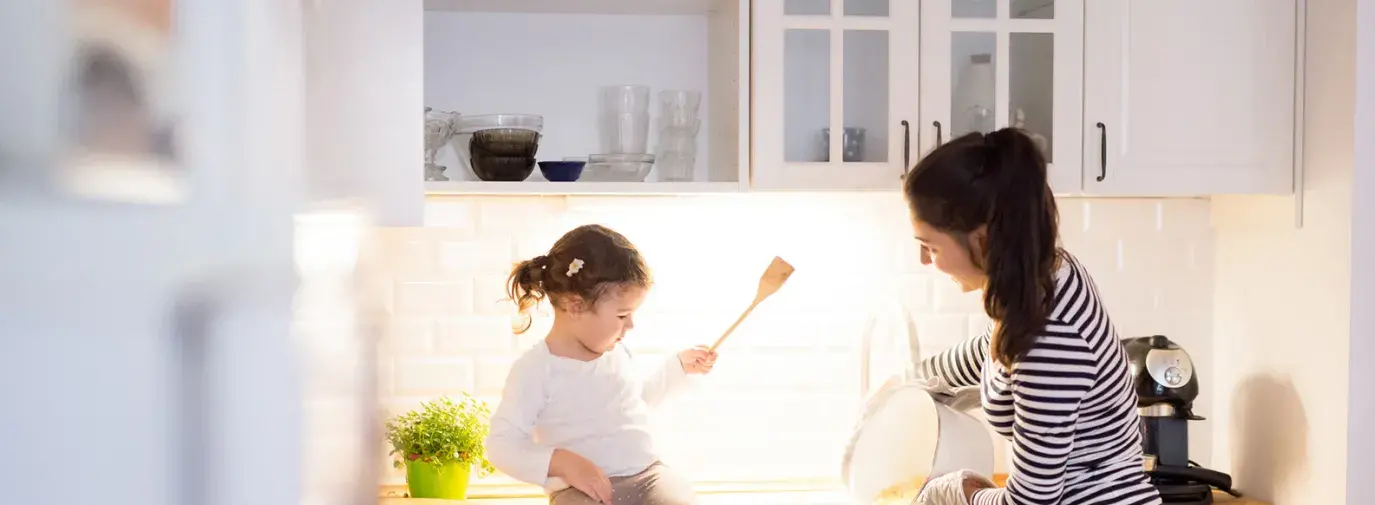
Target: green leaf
{"x":443,"y":431}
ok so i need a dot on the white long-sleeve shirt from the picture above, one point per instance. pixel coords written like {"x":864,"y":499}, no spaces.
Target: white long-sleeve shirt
{"x":597,"y":409}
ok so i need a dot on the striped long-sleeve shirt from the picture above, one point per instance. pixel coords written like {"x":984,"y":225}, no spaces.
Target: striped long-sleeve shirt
{"x":1068,"y":407}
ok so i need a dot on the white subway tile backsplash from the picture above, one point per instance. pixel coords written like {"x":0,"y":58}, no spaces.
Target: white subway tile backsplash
{"x":431,"y":376}
{"x":411,"y":336}
{"x":413,"y":259}
{"x":786,"y":391}
{"x":434,"y":299}
{"x":477,"y":256}
{"x":489,"y":374}
{"x":453,"y":213}
{"x":477,"y":334}
{"x":979,"y":323}
{"x":940,"y":331}
{"x":915,"y":291}
{"x":517,"y":215}
{"x":787,"y":369}
{"x":386,"y":375}
{"x":950,"y":297}
{"x":489,"y":295}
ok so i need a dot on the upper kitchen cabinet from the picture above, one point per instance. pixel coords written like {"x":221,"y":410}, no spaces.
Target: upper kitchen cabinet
{"x":989,"y":64}
{"x":644,"y":96}
{"x":835,"y":93}
{"x":849,"y":94}
{"x":1187,"y":97}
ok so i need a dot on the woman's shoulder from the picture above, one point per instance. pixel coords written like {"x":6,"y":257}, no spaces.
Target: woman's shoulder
{"x":1072,"y":280}
{"x":1068,"y":264}
{"x":1078,"y":316}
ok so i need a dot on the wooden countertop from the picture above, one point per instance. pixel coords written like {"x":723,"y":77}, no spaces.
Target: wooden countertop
{"x":1221,"y":497}
{"x":1218,"y":497}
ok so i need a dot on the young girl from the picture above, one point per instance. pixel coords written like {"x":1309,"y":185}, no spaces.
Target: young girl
{"x":574,"y":417}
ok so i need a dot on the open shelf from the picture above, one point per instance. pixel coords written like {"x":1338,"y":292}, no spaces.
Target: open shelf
{"x":469,"y":188}
{"x":551,"y":58}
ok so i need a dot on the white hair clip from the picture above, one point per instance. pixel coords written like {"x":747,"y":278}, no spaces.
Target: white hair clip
{"x":574,"y":266}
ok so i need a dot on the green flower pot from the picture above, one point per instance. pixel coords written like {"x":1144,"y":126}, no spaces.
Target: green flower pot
{"x":447,"y":482}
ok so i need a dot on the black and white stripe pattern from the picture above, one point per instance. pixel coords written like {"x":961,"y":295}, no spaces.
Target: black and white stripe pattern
{"x":1068,"y":407}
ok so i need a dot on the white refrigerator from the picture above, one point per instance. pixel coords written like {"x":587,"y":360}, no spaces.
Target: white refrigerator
{"x":185,"y":315}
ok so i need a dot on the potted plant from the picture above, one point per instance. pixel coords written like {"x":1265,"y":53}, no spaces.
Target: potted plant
{"x":440,"y":444}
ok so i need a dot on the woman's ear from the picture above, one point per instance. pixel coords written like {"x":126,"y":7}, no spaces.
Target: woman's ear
{"x":978,"y":244}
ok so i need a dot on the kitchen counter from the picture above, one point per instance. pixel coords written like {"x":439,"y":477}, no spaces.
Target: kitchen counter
{"x":729,"y":498}
{"x":1221,"y":497}
{"x":732,"y":499}
{"x":760,"y":498}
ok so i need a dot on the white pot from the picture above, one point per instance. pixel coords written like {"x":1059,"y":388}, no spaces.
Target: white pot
{"x":905,"y":434}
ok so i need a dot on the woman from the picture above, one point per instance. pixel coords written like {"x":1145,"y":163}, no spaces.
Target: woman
{"x":1052,"y":374}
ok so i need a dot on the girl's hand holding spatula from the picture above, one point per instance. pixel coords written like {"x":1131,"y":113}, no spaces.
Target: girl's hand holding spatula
{"x":697,"y":360}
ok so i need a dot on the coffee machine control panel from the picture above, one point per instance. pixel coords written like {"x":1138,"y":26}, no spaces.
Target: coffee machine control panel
{"x":1171,"y":368}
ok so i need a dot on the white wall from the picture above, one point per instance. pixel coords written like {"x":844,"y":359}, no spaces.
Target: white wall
{"x":1361,"y":442}
{"x":364,"y":128}
{"x":786,"y":392}
{"x":1282,"y":325}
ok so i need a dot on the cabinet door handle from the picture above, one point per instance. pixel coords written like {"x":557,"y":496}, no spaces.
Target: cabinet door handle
{"x":194,"y":314}
{"x":937,"y":124}
{"x":906,"y":147}
{"x":1102,"y":152}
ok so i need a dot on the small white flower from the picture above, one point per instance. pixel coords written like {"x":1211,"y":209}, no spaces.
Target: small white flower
{"x":574,"y":266}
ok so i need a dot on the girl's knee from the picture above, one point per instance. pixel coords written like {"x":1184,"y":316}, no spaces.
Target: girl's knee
{"x":570,"y":496}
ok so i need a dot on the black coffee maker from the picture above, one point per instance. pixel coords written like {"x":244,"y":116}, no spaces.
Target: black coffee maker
{"x":1166,"y":386}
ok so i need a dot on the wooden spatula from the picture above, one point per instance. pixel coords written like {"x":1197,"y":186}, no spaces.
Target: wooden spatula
{"x":773,"y":279}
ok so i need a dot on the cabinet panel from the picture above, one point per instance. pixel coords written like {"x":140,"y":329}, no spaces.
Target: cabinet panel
{"x":988,"y":65}
{"x":841,"y":85}
{"x":867,"y":8}
{"x":1033,"y":9}
{"x":806,"y":93}
{"x":866,"y":99}
{"x":973,"y":97}
{"x":1031,"y":87}
{"x":1193,"y":97}
{"x":807,"y":7}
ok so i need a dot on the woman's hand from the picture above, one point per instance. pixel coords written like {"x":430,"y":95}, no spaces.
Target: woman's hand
{"x":973,"y":485}
{"x":697,"y":360}
{"x":954,"y":488}
{"x":582,"y":474}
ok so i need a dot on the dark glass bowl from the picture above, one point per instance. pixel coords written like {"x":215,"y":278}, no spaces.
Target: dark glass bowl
{"x":502,"y":168}
{"x":508,"y":142}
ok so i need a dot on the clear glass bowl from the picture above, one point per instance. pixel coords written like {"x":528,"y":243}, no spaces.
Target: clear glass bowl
{"x":470,"y":124}
{"x":617,"y":167}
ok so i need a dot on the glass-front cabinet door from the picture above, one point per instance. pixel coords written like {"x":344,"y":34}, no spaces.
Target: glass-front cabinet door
{"x":988,"y":64}
{"x":835,"y":86}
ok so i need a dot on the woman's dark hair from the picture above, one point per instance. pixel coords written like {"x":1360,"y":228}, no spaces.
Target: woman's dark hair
{"x":585,"y":262}
{"x":996,"y":180}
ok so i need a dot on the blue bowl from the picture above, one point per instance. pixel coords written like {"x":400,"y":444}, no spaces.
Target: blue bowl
{"x":561,"y":171}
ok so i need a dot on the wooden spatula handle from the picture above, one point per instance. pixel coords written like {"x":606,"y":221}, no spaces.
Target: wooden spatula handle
{"x":737,"y":322}
{"x":774,"y":276}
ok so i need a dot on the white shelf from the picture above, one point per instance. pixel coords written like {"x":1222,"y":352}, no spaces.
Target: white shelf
{"x":469,"y":188}
{"x":638,"y":7}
